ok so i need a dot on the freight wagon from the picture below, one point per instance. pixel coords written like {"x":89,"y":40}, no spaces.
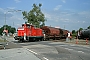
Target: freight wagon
{"x":54,"y":33}
{"x":85,"y":33}
{"x":50,"y":32}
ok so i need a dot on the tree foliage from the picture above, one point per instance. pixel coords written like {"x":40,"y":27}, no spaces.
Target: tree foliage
{"x":88,"y":27}
{"x":73,"y":31}
{"x":9,"y":28}
{"x":80,"y":29}
{"x":35,"y":16}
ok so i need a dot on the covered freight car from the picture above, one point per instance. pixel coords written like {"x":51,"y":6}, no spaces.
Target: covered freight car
{"x":51,"y":32}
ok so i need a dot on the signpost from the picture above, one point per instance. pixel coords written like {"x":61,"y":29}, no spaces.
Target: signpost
{"x":4,"y":36}
{"x":3,"y":41}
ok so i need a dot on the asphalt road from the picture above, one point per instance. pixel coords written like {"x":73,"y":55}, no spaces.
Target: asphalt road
{"x":48,"y":50}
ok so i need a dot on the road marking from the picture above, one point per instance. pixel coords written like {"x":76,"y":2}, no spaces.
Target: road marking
{"x":36,"y":53}
{"x":72,"y":45}
{"x":63,"y":45}
{"x":81,"y":51}
{"x":32,"y":51}
{"x":72,"y":49}
{"x":45,"y":58}
{"x":68,"y":49}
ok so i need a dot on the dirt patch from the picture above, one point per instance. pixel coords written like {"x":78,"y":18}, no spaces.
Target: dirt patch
{"x":74,"y":41}
{"x":61,"y":40}
{"x":2,"y":47}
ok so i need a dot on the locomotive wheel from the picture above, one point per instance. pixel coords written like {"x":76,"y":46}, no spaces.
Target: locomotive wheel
{"x":42,"y":39}
{"x":20,"y":40}
{"x":37,"y":39}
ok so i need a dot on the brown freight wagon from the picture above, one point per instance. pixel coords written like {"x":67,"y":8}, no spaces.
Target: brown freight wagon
{"x":51,"y":32}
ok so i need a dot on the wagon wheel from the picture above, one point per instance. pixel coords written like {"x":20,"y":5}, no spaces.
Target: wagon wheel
{"x":47,"y":38}
{"x":89,"y":36}
{"x":54,"y":38}
{"x":42,"y":39}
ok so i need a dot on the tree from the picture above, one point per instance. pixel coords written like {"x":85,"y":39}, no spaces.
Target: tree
{"x":9,"y":28}
{"x":12,"y":30}
{"x":35,"y":16}
{"x":73,"y":31}
{"x":1,"y":30}
{"x":88,"y":27}
{"x":80,"y":29}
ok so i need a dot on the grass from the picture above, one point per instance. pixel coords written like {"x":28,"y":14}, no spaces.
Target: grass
{"x":1,"y":40}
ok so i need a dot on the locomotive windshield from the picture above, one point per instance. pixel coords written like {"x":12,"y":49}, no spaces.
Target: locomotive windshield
{"x":26,"y":25}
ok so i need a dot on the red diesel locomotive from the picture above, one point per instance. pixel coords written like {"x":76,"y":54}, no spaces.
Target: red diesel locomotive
{"x":29,"y":33}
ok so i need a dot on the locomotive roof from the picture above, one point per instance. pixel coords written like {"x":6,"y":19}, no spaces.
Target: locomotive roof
{"x":27,"y":24}
{"x":49,"y":28}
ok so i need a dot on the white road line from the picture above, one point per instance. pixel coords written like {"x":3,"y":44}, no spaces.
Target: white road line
{"x":45,"y":58}
{"x":81,"y":51}
{"x":32,"y":51}
{"x":68,"y":49}
{"x":63,"y":45}
{"x":36,"y":53}
{"x":72,"y":45}
{"x":72,"y":49}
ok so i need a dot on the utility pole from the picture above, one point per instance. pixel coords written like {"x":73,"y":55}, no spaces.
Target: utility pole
{"x":5,"y":22}
{"x":6,"y":14}
{"x":13,"y":24}
{"x":64,"y":26}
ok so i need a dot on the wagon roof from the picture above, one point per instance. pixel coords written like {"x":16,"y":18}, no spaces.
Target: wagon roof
{"x":49,"y":28}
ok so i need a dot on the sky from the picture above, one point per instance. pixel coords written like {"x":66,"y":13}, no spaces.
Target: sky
{"x":66,"y":14}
